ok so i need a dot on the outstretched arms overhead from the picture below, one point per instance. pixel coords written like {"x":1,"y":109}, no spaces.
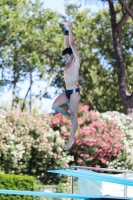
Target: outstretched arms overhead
{"x":69,"y":41}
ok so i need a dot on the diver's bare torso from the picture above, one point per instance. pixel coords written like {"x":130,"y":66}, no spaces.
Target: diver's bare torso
{"x":71,"y":75}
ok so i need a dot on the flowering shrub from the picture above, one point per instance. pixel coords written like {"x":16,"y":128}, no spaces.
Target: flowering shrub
{"x":47,"y":151}
{"x":28,"y":145}
{"x":125,"y":124}
{"x":33,"y":144}
{"x":97,"y":143}
{"x":15,"y":142}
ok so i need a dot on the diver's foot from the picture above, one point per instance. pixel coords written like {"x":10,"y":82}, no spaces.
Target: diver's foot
{"x":69,"y":144}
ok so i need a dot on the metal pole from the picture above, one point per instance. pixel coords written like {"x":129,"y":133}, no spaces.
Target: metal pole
{"x":100,"y":169}
{"x":125,"y":188}
{"x":71,"y":185}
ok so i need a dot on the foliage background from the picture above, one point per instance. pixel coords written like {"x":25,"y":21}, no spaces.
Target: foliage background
{"x":29,"y":146}
{"x":33,"y":144}
{"x":30,"y":50}
{"x":30,"y":43}
{"x":102,"y":140}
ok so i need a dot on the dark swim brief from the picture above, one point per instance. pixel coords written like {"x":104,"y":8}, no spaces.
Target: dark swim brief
{"x":69,"y":92}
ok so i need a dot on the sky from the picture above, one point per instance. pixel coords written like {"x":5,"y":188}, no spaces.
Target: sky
{"x":58,"y":5}
{"x":45,"y":105}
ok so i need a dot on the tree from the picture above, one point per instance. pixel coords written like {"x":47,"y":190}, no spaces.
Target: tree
{"x":35,"y":45}
{"x":15,"y":65}
{"x":97,"y":80}
{"x":30,"y":45}
{"x":117,"y":24}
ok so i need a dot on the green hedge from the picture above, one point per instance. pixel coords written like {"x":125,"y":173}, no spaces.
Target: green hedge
{"x":17,"y":182}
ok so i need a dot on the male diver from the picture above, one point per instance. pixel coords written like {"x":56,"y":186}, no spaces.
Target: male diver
{"x":71,"y":76}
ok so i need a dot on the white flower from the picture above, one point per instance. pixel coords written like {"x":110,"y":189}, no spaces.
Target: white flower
{"x":125,"y":124}
{"x":2,"y":116}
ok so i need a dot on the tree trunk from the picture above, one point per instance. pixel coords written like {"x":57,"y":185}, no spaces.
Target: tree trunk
{"x":129,"y":11}
{"x":127,"y":99}
{"x":15,"y":76}
{"x":42,"y":94}
{"x":23,"y":106}
{"x":14,"y":91}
